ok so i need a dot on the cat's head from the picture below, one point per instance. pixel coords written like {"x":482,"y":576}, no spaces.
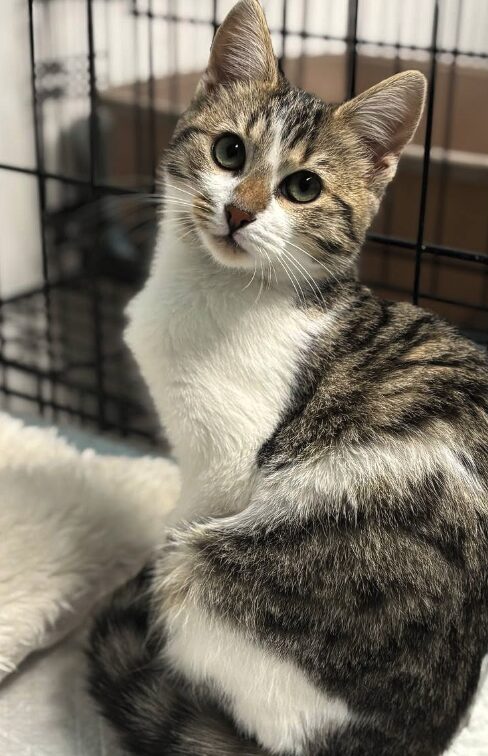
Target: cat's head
{"x":266,"y":174}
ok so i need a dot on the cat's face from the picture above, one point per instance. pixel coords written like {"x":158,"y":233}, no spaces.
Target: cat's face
{"x":270,"y":178}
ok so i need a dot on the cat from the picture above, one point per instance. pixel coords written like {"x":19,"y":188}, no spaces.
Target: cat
{"x":322,"y":589}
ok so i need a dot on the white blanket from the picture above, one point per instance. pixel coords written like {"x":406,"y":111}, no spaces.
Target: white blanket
{"x":74,"y":525}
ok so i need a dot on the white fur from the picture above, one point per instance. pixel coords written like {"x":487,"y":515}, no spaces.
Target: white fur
{"x":219,"y":358}
{"x":274,"y":156}
{"x":270,"y":698}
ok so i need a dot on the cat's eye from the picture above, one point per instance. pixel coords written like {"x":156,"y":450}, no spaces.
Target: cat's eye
{"x":302,"y":186}
{"x":229,"y":152}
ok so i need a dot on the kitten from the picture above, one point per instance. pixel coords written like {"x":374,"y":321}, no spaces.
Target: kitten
{"x":324,"y":587}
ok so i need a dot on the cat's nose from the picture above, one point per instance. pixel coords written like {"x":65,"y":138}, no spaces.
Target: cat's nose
{"x":237,"y":218}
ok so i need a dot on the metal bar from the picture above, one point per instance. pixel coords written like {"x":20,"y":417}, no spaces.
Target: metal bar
{"x":93,"y":286}
{"x":455,"y":302}
{"x":78,"y":413}
{"x":283,"y":33}
{"x":455,"y":254}
{"x":426,"y":163}
{"x":59,"y":378}
{"x":433,"y":249}
{"x":352,"y":44}
{"x":389,"y":200}
{"x":41,"y":189}
{"x":174,"y":81}
{"x":151,"y":95}
{"x":329,"y":37}
{"x":92,"y":82}
{"x":139,"y":156}
{"x":34,"y":291}
{"x":215,"y":15}
{"x":447,"y":131}
{"x":72,"y":181}
{"x":301,"y":59}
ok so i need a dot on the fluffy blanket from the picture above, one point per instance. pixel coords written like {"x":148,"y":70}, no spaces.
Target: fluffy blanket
{"x":74,"y":526}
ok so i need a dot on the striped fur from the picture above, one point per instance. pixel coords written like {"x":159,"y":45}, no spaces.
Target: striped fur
{"x":323,"y":590}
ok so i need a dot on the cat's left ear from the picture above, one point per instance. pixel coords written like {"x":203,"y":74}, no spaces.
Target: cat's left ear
{"x":385,"y":119}
{"x":242,"y":49}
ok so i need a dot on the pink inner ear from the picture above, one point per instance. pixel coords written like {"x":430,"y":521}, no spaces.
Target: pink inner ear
{"x":383,"y":156}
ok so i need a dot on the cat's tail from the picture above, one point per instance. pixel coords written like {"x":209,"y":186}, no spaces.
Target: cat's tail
{"x":151,"y":713}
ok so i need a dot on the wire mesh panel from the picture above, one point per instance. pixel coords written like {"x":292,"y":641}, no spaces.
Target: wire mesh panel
{"x":101,"y":84}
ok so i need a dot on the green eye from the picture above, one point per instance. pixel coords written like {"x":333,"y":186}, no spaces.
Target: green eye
{"x":229,"y":152}
{"x":302,"y":186}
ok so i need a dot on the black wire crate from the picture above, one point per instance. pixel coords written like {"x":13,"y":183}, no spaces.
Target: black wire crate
{"x":60,"y":367}
{"x":107,"y":81}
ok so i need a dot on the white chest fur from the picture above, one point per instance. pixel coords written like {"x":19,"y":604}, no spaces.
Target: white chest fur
{"x":219,"y":360}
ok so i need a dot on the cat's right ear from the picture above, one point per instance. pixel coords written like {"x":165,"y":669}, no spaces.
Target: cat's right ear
{"x":242,"y":49}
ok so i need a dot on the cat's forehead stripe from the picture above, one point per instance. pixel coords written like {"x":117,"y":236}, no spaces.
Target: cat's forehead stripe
{"x":297,"y":115}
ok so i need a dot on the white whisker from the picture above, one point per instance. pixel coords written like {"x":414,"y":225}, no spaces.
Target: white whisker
{"x":253,"y":276}
{"x":269,"y":264}
{"x":305,"y":274}
{"x":179,"y":189}
{"x":261,"y":285}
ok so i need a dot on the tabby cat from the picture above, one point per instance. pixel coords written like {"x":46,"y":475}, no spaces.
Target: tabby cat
{"x":323,"y":587}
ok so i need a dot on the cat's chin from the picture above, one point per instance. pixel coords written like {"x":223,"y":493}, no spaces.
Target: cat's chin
{"x":227,"y":251}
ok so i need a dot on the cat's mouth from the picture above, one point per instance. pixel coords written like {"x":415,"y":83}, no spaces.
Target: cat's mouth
{"x":228,"y":248}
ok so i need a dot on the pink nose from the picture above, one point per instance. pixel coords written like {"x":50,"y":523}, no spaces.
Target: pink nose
{"x":237,"y":218}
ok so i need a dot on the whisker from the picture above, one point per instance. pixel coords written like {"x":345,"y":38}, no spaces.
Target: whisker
{"x":187,"y":233}
{"x":270,"y":266}
{"x":281,"y":251}
{"x":261,"y":285}
{"x":178,"y":201}
{"x":253,"y":276}
{"x":288,"y":276}
{"x":305,"y":274}
{"x":174,"y":211}
{"x":178,"y":188}
{"x":297,"y":280}
{"x":328,"y":270}
{"x":292,"y":277}
{"x":184,"y":181}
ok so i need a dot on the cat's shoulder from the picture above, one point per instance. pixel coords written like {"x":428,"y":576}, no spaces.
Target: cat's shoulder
{"x":393,"y":371}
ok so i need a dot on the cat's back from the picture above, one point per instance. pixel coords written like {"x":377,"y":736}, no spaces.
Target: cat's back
{"x":385,"y":447}
{"x":394,"y":373}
